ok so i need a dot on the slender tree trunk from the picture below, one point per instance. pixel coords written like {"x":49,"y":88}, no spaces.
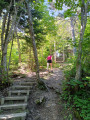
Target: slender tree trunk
{"x":83,"y":26}
{"x":63,"y":55}
{"x":19,"y":50}
{"x":29,"y":61}
{"x":2,"y":41}
{"x":40,"y":82}
{"x":73,"y":37}
{"x":54,"y":51}
{"x":4,"y":34}
{"x":4,"y":46}
{"x":4,"y":23}
{"x":18,"y":42}
{"x":6,"y":37}
{"x":4,"y":59}
{"x":32,"y":61}
{"x":10,"y":55}
{"x":33,"y":39}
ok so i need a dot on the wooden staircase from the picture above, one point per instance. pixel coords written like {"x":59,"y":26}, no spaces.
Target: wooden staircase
{"x":13,"y":107}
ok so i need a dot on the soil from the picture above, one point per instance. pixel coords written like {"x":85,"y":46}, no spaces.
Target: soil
{"x":47,"y":105}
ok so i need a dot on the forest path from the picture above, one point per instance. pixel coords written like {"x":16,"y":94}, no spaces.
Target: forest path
{"x":47,"y":105}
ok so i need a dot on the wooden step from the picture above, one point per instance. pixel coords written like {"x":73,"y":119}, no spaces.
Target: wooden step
{"x":13,"y":98}
{"x":16,"y":100}
{"x":13,"y":106}
{"x":19,"y":92}
{"x":13,"y":116}
{"x":32,"y":81}
{"x":27,"y":83}
{"x":19,"y":87}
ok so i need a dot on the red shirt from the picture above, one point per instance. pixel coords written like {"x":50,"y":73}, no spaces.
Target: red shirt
{"x":49,"y":57}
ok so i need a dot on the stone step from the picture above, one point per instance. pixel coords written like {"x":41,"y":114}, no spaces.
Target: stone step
{"x":14,"y":98}
{"x":19,"y":87}
{"x":19,"y":92}
{"x":13,"y":106}
{"x":13,"y":116}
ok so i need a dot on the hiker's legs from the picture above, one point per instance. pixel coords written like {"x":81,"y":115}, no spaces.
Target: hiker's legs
{"x":47,"y":66}
{"x":51,"y":65}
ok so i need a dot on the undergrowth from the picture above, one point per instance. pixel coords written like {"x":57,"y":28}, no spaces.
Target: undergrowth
{"x":78,"y":100}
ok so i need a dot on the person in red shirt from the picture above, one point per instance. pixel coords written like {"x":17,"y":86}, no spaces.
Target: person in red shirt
{"x":49,"y":62}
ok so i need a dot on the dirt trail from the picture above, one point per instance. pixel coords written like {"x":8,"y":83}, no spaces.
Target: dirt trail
{"x":52,"y":107}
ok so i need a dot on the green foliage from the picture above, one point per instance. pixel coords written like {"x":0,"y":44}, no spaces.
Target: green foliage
{"x":42,"y":61}
{"x":5,"y":80}
{"x":14,"y":56}
{"x":86,"y":51}
{"x":3,"y":4}
{"x":81,"y":101}
{"x":81,"y":84}
{"x":69,"y":13}
{"x":77,"y":99}
{"x":71,"y":59}
{"x":69,"y":71}
{"x":56,"y":65}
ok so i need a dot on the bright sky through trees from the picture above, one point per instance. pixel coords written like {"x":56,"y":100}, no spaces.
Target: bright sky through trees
{"x":55,"y":12}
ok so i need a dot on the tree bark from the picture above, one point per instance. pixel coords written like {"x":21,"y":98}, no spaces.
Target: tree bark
{"x":83,"y":26}
{"x":73,"y":37}
{"x":54,"y":51}
{"x":10,"y":55}
{"x":29,"y":58}
{"x":6,"y":38}
{"x":18,"y":38}
{"x":33,"y":39}
{"x":4,"y":34}
{"x":4,"y":46}
{"x":18,"y":43}
{"x":40,"y":82}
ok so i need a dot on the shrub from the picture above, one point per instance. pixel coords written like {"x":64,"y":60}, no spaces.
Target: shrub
{"x":79,"y":99}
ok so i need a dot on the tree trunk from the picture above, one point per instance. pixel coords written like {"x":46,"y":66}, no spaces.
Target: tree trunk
{"x":6,"y":37}
{"x":73,"y":37}
{"x":4,"y":46}
{"x":83,"y":26}
{"x":54,"y":51}
{"x":29,"y":61}
{"x":40,"y":82}
{"x":4,"y":59}
{"x":63,"y":55}
{"x":10,"y":55}
{"x":18,"y":43}
{"x":18,"y":38}
{"x":33,"y":39}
